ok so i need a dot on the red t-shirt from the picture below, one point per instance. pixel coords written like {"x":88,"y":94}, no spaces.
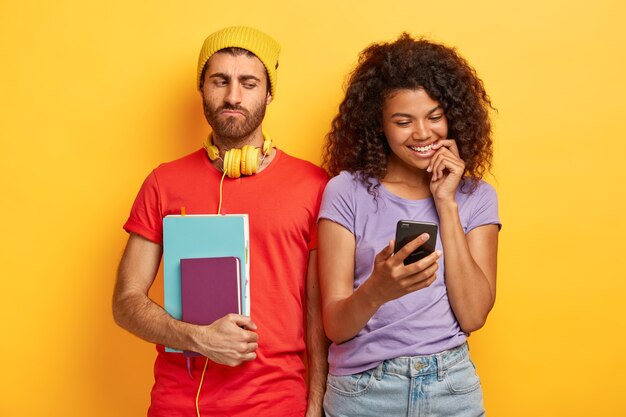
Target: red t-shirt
{"x":282,"y":202}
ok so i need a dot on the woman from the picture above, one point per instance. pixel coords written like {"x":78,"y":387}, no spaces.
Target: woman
{"x":412,"y":141}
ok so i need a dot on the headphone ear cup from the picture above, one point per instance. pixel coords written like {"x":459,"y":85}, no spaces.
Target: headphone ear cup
{"x":245,"y":166}
{"x":249,"y":160}
{"x":253,"y":159}
{"x":236,"y":163}
{"x":226,"y":163}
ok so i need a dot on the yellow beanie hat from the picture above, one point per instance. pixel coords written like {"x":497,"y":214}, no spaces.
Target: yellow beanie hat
{"x":260,"y":44}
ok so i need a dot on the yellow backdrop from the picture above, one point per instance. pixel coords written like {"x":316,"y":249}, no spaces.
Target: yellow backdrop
{"x":95,"y":94}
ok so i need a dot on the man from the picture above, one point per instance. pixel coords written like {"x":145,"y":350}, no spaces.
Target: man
{"x":255,"y":364}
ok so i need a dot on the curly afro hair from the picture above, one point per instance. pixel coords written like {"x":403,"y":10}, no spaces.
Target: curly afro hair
{"x":356,"y":143}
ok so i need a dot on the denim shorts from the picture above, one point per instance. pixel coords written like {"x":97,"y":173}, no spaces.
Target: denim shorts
{"x":444,"y":384}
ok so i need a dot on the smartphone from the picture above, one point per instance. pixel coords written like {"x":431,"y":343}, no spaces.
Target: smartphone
{"x":407,"y":230}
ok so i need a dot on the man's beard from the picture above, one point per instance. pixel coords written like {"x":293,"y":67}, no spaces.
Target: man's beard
{"x":232,"y":128}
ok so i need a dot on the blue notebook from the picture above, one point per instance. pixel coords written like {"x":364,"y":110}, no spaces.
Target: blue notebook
{"x":203,"y":236}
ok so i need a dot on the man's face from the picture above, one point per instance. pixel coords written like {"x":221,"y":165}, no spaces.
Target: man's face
{"x":235,"y":95}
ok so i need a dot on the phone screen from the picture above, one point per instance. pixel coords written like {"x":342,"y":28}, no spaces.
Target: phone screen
{"x":407,"y":230}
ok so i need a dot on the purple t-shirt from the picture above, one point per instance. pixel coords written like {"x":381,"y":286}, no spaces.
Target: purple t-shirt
{"x":420,"y":323}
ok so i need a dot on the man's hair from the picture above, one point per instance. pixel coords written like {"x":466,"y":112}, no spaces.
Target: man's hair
{"x":356,"y":143}
{"x":234,"y":51}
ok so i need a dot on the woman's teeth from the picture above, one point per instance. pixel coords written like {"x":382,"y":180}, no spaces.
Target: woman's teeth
{"x":422,"y":148}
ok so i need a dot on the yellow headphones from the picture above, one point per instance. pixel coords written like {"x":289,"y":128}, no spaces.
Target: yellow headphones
{"x":237,"y":162}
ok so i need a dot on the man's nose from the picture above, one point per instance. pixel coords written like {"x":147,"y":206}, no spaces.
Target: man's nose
{"x":234,"y":94}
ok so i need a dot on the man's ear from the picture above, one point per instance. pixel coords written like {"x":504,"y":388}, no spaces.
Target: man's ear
{"x":201,"y":89}
{"x":268,"y":99}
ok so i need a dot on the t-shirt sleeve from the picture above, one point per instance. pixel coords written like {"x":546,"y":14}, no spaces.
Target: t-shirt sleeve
{"x":312,"y":243}
{"x":485,"y":210}
{"x":145,"y":216}
{"x":338,"y":201}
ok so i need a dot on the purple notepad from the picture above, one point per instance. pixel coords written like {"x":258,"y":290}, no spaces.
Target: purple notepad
{"x":210,"y":289}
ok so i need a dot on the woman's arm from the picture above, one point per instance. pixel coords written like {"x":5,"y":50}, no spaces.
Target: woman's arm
{"x":347,"y":311}
{"x":470,"y":261}
{"x":470,"y":265}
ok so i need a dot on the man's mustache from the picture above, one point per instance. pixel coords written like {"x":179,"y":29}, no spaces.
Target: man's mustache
{"x":233,"y":107}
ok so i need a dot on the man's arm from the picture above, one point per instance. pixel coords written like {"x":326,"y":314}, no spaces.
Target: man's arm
{"x":224,"y":341}
{"x":316,"y":342}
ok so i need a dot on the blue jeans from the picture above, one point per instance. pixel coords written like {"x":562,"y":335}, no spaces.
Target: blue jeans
{"x":444,"y":384}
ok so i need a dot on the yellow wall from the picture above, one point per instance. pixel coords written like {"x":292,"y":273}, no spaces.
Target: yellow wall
{"x":95,"y":94}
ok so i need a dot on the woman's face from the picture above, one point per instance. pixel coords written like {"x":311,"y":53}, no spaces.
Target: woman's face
{"x":412,"y":123}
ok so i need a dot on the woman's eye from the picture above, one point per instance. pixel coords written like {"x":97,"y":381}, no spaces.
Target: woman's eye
{"x":403,"y":124}
{"x":436,"y":118}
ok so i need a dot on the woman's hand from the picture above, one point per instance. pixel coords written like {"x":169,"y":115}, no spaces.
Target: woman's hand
{"x":392,"y":279}
{"x":346,"y":310}
{"x":447,"y":169}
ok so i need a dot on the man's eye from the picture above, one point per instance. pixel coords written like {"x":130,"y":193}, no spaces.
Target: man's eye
{"x":220,"y":83}
{"x":249,"y":86}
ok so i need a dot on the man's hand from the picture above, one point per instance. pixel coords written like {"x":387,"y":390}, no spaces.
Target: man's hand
{"x":228,"y":341}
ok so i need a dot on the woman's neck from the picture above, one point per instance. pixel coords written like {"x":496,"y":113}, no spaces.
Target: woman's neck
{"x":407,"y":182}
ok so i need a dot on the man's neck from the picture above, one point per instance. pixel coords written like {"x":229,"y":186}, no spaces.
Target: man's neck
{"x":255,"y":139}
{"x":225,"y":144}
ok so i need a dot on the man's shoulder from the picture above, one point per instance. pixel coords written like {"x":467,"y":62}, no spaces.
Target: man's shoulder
{"x":192,"y":159}
{"x":186,"y":165}
{"x":301,"y":167}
